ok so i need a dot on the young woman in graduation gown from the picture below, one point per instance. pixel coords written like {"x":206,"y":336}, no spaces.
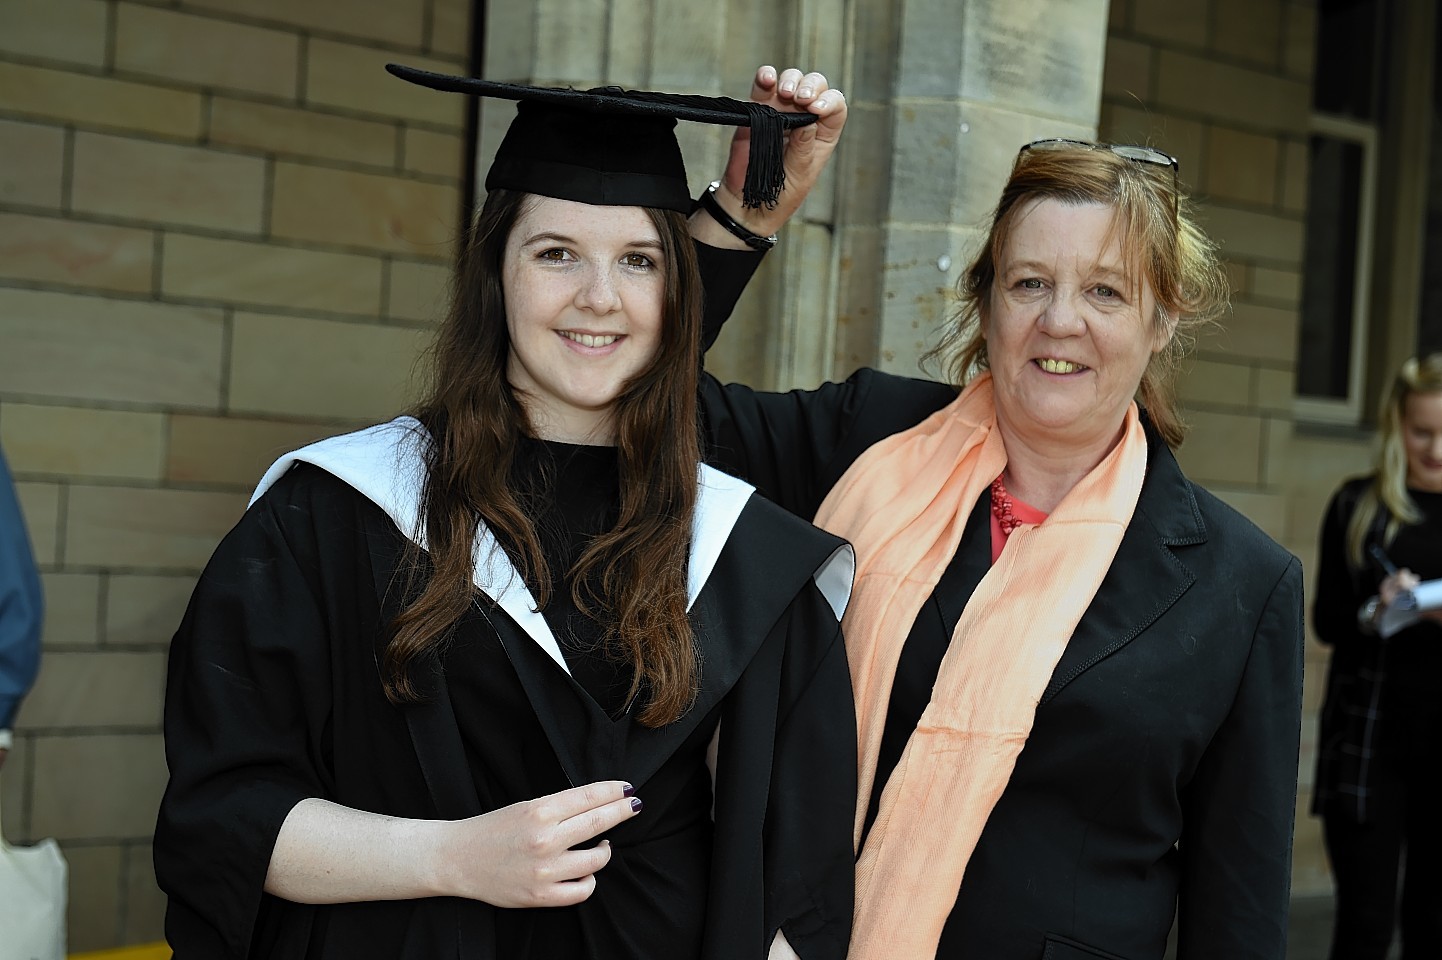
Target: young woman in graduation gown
{"x":516,"y":676}
{"x":1078,"y":674}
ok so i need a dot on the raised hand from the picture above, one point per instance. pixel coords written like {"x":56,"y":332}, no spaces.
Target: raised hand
{"x":804,"y":157}
{"x":1395,"y":584}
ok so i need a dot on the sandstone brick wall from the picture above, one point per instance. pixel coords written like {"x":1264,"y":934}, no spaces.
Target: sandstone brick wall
{"x":224,"y":231}
{"x":1225,"y":85}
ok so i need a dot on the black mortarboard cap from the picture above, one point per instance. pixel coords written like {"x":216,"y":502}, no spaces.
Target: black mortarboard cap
{"x":616,"y":147}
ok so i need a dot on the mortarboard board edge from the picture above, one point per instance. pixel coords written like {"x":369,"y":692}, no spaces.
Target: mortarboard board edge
{"x":765,"y":174}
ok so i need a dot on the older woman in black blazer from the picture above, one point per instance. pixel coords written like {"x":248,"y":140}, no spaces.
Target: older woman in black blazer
{"x":1078,"y":673}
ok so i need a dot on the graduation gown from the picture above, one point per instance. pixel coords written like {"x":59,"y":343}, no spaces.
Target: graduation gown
{"x":275,"y":696}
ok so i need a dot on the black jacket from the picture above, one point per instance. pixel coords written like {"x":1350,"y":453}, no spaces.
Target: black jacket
{"x":1363,"y":736}
{"x":1161,"y":773}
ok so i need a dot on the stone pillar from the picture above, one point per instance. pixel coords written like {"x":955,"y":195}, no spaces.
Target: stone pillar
{"x":945,"y":94}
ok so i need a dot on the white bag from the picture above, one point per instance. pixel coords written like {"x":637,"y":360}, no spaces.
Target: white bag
{"x":32,"y":901}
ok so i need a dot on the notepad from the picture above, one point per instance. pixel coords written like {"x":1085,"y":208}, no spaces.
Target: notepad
{"x":1409,"y":606}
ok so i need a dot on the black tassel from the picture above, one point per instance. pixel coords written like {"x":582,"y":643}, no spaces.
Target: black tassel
{"x":765,"y":173}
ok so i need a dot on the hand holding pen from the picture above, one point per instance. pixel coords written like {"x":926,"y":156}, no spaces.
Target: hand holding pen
{"x":1396,"y":581}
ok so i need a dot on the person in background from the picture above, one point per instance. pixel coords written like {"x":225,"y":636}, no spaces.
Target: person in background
{"x":425,"y":686}
{"x":1380,"y":738}
{"x":1078,"y":674}
{"x":21,"y":610}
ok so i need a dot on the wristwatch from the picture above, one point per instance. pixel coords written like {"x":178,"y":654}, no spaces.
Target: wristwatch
{"x":709,"y":203}
{"x":1367,"y":615}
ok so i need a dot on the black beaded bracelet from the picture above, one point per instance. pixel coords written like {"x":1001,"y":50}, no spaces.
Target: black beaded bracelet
{"x":707,"y":201}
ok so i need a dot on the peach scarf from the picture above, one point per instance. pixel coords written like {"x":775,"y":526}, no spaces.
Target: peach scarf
{"x":904,"y":504}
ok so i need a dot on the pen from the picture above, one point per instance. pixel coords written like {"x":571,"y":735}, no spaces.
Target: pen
{"x":1383,"y":560}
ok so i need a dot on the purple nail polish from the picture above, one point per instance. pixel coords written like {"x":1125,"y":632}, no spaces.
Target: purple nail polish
{"x":628,"y":791}
{"x":636,"y":804}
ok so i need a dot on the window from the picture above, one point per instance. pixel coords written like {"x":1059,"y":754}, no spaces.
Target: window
{"x":1429,"y":316}
{"x":1341,"y":200}
{"x":1336,"y":271}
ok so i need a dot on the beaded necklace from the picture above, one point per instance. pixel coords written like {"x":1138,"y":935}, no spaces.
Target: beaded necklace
{"x":1001,"y":508}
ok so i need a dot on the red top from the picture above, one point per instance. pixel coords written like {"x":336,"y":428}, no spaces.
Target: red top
{"x":1024,"y":512}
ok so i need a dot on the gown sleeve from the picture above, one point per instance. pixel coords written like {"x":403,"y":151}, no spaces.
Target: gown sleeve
{"x":724,"y":276}
{"x":793,"y":447}
{"x":810,"y":862}
{"x":780,"y":443}
{"x":247,"y":701}
{"x":1240,"y":805}
{"x":790,"y":446}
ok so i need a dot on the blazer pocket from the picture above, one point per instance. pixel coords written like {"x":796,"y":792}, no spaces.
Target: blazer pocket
{"x":1060,"y":948}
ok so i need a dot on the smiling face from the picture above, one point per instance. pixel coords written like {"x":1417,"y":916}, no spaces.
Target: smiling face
{"x":1422,"y":439}
{"x":1068,"y":329}
{"x":584,"y":287}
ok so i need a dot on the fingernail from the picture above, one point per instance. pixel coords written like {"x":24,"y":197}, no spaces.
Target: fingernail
{"x":788,"y":86}
{"x":804,"y":92}
{"x":821,"y":102}
{"x":636,"y":804}
{"x":627,"y":790}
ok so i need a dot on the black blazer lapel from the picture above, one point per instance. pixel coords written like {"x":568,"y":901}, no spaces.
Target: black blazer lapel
{"x":962,"y":575}
{"x":1147,"y":576}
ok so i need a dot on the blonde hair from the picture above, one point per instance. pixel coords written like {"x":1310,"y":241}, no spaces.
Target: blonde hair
{"x":1388,"y":489}
{"x":1158,"y":234}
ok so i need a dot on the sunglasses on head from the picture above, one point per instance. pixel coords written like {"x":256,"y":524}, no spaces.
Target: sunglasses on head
{"x":1127,"y":151}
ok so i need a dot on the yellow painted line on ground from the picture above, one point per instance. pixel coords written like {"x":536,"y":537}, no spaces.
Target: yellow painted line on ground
{"x":149,"y":951}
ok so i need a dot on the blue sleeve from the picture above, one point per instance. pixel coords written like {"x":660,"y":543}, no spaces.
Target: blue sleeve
{"x":21,"y":604}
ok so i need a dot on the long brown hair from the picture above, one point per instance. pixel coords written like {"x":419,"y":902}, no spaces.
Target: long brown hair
{"x":1159,"y":236}
{"x":1387,"y":494}
{"x":633,"y":577}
